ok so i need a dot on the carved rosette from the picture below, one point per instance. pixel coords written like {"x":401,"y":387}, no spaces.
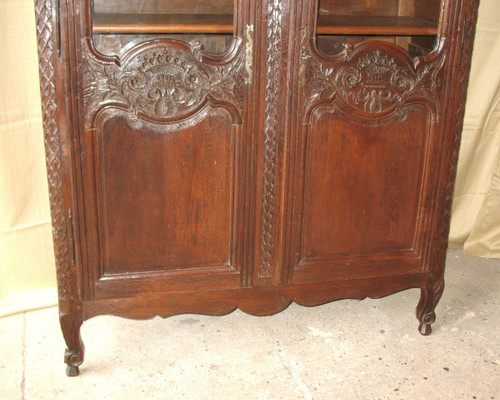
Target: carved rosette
{"x":162,"y":83}
{"x":374,"y":81}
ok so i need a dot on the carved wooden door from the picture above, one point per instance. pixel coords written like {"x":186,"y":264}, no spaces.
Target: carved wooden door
{"x":366,"y":145}
{"x":163,"y":138}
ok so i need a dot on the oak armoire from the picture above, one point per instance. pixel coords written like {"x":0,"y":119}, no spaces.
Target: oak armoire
{"x":210,"y":155}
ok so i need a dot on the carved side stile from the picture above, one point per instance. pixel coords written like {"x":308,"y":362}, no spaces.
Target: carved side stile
{"x":470,"y":15}
{"x":432,"y":293}
{"x":70,"y":314}
{"x":47,"y":53}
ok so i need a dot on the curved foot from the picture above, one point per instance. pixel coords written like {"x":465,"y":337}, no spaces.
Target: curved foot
{"x":425,"y":323}
{"x":74,"y":360}
{"x":70,"y":324}
{"x":428,"y":300}
{"x":72,"y":371}
{"x":424,"y":329}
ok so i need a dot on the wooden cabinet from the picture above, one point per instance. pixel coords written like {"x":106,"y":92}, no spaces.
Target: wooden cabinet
{"x":212,"y":155}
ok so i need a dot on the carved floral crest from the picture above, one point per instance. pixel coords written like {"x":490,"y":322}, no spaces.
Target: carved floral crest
{"x":162,"y":83}
{"x":372,"y":81}
{"x":375,"y":83}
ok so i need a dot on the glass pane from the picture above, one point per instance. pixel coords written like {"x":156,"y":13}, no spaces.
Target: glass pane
{"x":120,"y":24}
{"x":411,"y":24}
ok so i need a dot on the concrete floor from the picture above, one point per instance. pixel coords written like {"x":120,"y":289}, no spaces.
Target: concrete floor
{"x":343,"y":350}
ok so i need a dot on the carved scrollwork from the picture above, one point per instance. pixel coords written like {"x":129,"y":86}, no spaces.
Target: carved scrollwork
{"x":163,"y":83}
{"x":375,"y":80}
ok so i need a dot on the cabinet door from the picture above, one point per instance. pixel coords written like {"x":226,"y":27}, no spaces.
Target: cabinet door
{"x":366,"y":133}
{"x":163,"y":138}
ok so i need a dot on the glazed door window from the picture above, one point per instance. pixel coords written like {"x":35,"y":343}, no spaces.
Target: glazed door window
{"x":411,"y":24}
{"x":120,"y":24}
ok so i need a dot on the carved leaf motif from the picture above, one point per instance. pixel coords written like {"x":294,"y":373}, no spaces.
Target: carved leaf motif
{"x":323,"y":81}
{"x":228,"y":84}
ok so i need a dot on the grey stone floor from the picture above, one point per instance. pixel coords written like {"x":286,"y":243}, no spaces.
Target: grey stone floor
{"x":347,"y":349}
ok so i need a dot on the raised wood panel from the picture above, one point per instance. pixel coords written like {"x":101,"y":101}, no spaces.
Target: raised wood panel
{"x":363,"y":184}
{"x":166,"y":195}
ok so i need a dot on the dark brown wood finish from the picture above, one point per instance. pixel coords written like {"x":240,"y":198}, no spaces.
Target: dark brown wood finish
{"x":182,"y":181}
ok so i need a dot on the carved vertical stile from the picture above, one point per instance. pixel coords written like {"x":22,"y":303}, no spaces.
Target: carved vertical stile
{"x":46,"y":53}
{"x":273,"y":87}
{"x":469,"y":12}
{"x":69,"y":306}
{"x":435,"y":287}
